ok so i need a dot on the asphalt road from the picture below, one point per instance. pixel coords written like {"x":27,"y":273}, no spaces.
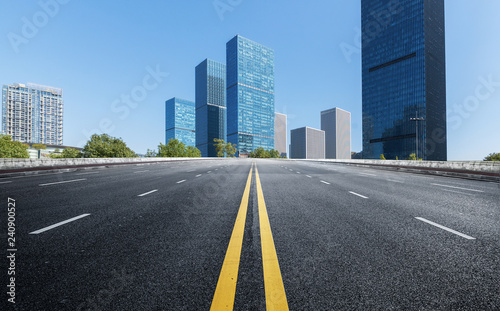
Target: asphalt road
{"x":155,"y":237}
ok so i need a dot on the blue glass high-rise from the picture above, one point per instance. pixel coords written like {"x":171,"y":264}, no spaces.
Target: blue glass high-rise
{"x":250,"y":95}
{"x":180,"y":121}
{"x":210,"y":105}
{"x":403,"y":68}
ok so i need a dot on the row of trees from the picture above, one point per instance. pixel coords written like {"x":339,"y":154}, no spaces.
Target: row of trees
{"x":262,"y":153}
{"x":412,"y":157}
{"x":174,"y":149}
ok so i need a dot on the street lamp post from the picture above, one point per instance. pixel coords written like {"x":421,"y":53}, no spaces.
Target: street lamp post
{"x":416,"y":119}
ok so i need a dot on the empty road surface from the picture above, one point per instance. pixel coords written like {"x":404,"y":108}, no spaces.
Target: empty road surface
{"x":251,"y":235}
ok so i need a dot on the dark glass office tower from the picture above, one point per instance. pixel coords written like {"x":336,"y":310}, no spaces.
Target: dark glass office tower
{"x":250,"y":95}
{"x":210,"y":105}
{"x":404,"y":76}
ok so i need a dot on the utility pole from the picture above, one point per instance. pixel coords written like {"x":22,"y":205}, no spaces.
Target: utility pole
{"x":416,"y":119}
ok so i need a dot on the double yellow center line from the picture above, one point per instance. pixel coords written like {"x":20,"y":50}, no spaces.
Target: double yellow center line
{"x":273,"y":283}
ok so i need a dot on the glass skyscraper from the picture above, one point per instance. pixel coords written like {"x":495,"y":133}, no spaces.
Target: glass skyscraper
{"x":210,"y":105}
{"x":250,"y":95}
{"x":33,"y":113}
{"x":403,"y":69}
{"x":180,"y":121}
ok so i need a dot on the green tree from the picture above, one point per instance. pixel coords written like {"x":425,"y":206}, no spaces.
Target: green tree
{"x":192,"y":152}
{"x":492,"y":157}
{"x":71,"y":153}
{"x":260,"y":152}
{"x":220,"y":147}
{"x":151,"y":153}
{"x":382,"y":157}
{"x":173,"y":149}
{"x":105,"y":146}
{"x":230,"y":150}
{"x":274,"y":154}
{"x":67,"y":153}
{"x":39,"y":146}
{"x":12,"y":149}
{"x":412,"y":157}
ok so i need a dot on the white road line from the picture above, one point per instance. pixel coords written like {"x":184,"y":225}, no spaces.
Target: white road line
{"x":291,"y":170}
{"x":141,"y":195}
{"x":298,"y":172}
{"x":393,"y":180}
{"x":445,"y":228}
{"x":198,"y":175}
{"x":181,"y":181}
{"x":325,"y":182}
{"x":367,"y":174}
{"x":87,"y":173}
{"x":309,"y":176}
{"x":59,"y":224}
{"x":457,"y":187}
{"x":141,"y":171}
{"x":5,"y":182}
{"x":36,"y":175}
{"x":359,"y":195}
{"x":422,"y":177}
{"x":216,"y":169}
{"x":62,"y":182}
{"x":190,"y":171}
{"x":447,"y":190}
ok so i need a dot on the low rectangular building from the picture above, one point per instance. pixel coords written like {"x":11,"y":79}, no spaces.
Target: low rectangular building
{"x":280,"y":133}
{"x":337,"y":126}
{"x":307,"y":143}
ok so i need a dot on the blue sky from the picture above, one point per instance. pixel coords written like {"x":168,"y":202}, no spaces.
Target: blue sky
{"x":103,"y":52}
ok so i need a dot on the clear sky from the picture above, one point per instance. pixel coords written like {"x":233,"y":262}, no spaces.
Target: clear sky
{"x":103,"y":52}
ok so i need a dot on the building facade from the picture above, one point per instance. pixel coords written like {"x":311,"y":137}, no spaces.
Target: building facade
{"x":210,"y":105}
{"x":280,"y":133}
{"x":33,"y":113}
{"x":337,"y":126}
{"x":180,"y":121}
{"x":250,"y":95}
{"x":307,"y":143}
{"x":404,"y":75}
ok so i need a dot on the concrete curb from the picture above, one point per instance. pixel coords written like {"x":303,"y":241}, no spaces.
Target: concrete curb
{"x":19,"y":167}
{"x":477,"y":170}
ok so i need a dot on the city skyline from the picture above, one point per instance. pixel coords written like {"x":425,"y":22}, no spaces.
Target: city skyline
{"x":120,"y":90}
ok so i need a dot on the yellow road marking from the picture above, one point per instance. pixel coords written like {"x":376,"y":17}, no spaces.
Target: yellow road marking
{"x":226,"y":286}
{"x":273,"y":283}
